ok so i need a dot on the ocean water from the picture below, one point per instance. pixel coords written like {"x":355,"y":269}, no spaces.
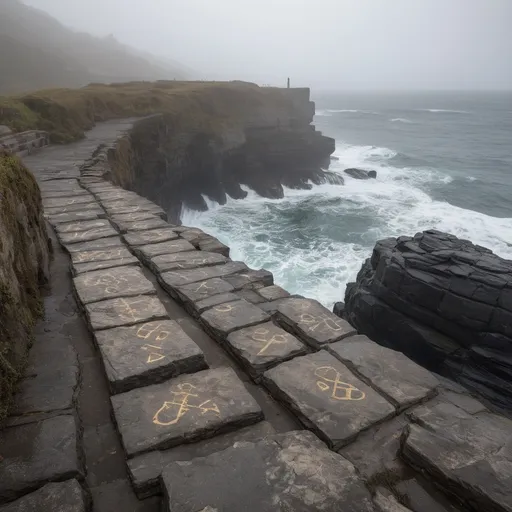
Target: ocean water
{"x":443,"y":161}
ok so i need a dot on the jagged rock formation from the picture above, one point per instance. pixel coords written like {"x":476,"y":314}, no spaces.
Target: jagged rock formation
{"x":444,"y":302}
{"x":24,"y":259}
{"x":259,"y":137}
{"x":360,"y":174}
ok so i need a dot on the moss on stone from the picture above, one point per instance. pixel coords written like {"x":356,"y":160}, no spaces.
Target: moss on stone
{"x":23,"y":257}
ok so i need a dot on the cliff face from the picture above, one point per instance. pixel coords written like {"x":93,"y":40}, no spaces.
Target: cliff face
{"x":262,"y":138}
{"x":24,"y":260}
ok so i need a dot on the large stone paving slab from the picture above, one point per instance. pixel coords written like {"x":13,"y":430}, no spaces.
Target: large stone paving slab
{"x":124,"y":311}
{"x":65,"y":193}
{"x":122,"y":207}
{"x":112,"y":283}
{"x":146,"y":252}
{"x":263,"y":346}
{"x":211,"y":244}
{"x":194,"y":292}
{"x":184,"y":409}
{"x":175,"y":278}
{"x":36,"y":453}
{"x":150,"y":221}
{"x":145,"y":469}
{"x":287,"y":472}
{"x":223,"y":319}
{"x":86,"y":236}
{"x":251,"y":279}
{"x":80,"y":207}
{"x":59,"y":218}
{"x":327,"y":397}
{"x":402,"y":381}
{"x":65,"y":496}
{"x":86,"y":225}
{"x":468,"y":455}
{"x":311,"y":322}
{"x":95,"y":245}
{"x":152,"y":236}
{"x":60,"y":202}
{"x":148,"y":353}
{"x":186,"y":260}
{"x":81,"y":268}
{"x":113,"y":253}
{"x":214,"y":300}
{"x":273,"y":292}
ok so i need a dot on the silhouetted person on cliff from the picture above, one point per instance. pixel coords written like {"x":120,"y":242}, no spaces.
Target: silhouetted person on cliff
{"x":288,"y":84}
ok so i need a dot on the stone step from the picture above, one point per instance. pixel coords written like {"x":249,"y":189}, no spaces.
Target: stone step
{"x":153,"y":236}
{"x":327,"y":397}
{"x":185,"y":260}
{"x":147,"y":353}
{"x":182,"y":410}
{"x":146,"y":252}
{"x":292,"y":471}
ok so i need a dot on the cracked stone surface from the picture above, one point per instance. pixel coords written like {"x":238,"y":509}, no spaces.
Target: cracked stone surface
{"x":401,"y":380}
{"x":226,"y":318}
{"x":311,"y":322}
{"x":182,"y":410}
{"x":89,"y":256}
{"x":124,"y":311}
{"x":145,"y":469}
{"x":81,"y":268}
{"x":86,"y":225}
{"x":147,"y":353}
{"x":95,"y":245}
{"x":53,"y":497}
{"x":86,"y":236}
{"x":263,"y":346}
{"x":152,"y":236}
{"x":146,"y":252}
{"x":185,"y":260}
{"x":144,"y":222}
{"x":24,"y":469}
{"x":292,"y":471}
{"x":327,"y":397}
{"x":273,"y":292}
{"x":199,"y":291}
{"x":112,"y":283}
{"x":175,"y":278}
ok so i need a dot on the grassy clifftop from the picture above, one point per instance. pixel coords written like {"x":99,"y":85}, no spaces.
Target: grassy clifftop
{"x":67,"y":113}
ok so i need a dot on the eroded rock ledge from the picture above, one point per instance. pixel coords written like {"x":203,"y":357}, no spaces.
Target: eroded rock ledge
{"x":268,"y":143}
{"x":444,"y":302}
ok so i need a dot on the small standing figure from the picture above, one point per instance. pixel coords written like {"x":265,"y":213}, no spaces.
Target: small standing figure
{"x":288,"y":84}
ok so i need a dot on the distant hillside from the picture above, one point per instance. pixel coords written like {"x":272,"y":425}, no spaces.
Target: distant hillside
{"x":37,"y":52}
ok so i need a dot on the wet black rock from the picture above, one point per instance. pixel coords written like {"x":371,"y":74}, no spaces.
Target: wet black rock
{"x":361,"y":174}
{"x":444,"y":302}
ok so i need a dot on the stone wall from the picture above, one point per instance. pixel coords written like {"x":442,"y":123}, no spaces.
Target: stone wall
{"x":23,"y":143}
{"x":272,"y":143}
{"x":24,"y":260}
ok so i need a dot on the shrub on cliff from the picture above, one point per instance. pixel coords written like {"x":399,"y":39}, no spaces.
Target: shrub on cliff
{"x":24,"y":258}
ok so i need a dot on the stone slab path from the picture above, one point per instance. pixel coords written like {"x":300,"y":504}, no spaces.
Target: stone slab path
{"x":167,"y":375}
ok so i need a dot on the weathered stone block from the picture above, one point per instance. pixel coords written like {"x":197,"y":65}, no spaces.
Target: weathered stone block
{"x":148,"y":353}
{"x":152,"y":236}
{"x":273,"y":292}
{"x":185,"y":409}
{"x":402,"y":381}
{"x":311,"y":322}
{"x":81,"y":268}
{"x":327,"y":397}
{"x":146,"y":252}
{"x":113,"y":253}
{"x":185,"y":260}
{"x":65,"y":496}
{"x":124,"y":311}
{"x":85,"y":225}
{"x":292,"y":471}
{"x":263,"y":346}
{"x":194,"y":292}
{"x":95,"y":245}
{"x":226,"y":318}
{"x":175,"y":278}
{"x":37,"y":453}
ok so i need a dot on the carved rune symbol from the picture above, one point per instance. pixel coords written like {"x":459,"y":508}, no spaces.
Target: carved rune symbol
{"x":261,"y":334}
{"x":171,"y":412}
{"x":322,"y":323}
{"x":330,"y":381}
{"x":155,"y":349}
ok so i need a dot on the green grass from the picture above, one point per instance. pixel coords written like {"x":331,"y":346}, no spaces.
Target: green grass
{"x":67,"y":113}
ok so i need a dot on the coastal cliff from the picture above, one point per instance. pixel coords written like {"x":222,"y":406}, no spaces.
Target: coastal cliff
{"x":258,"y":137}
{"x":24,"y":260}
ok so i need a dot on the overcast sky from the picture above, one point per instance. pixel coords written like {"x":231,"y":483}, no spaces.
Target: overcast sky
{"x":348,"y":44}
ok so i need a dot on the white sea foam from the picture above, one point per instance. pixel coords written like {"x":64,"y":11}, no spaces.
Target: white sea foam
{"x":443,"y":111}
{"x":281,"y":235}
{"x":401,"y":120}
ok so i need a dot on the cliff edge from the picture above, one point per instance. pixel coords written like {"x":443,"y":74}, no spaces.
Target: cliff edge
{"x":24,"y":259}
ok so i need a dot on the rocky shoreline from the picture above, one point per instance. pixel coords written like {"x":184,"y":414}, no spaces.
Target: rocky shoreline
{"x":445,"y":303}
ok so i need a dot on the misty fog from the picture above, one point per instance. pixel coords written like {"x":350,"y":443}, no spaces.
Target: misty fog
{"x":328,"y":44}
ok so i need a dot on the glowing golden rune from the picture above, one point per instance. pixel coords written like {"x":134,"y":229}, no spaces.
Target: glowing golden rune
{"x":145,"y":332}
{"x":261,"y":335}
{"x":180,"y":405}
{"x":322,"y":323}
{"x":330,"y":381}
{"x":223,"y":308}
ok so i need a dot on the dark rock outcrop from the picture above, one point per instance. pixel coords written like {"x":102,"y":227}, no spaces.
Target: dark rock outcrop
{"x":267,"y":144}
{"x":361,"y":174}
{"x":444,"y":302}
